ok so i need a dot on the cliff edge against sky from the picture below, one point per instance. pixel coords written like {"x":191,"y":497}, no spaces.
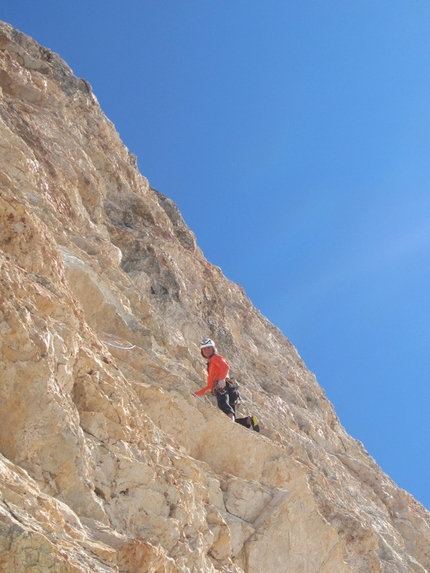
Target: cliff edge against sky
{"x":108,"y":463}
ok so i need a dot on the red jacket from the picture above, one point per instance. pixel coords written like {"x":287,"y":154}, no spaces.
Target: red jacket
{"x":218,"y":369}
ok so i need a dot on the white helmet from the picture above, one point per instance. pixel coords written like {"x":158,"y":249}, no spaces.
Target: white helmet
{"x":207,"y":342}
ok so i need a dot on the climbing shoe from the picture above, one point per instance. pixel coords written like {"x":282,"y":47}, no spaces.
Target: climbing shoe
{"x":254,"y":423}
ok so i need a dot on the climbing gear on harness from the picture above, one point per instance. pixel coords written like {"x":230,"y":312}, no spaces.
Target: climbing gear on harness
{"x":219,"y":386}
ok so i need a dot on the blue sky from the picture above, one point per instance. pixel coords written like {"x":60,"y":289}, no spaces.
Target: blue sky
{"x":295,"y":139}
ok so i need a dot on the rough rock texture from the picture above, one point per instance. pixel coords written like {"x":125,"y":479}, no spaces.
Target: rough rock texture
{"x":108,"y":462}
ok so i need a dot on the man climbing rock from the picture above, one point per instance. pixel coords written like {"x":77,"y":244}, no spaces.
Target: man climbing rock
{"x":217,"y":371}
{"x":217,"y":382}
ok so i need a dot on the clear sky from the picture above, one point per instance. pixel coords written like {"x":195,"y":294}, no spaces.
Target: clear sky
{"x":294,"y":136}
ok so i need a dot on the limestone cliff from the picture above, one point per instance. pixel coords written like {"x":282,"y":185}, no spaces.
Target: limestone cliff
{"x":108,"y":463}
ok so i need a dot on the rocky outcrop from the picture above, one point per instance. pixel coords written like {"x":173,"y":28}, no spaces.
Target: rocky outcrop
{"x":108,"y":462}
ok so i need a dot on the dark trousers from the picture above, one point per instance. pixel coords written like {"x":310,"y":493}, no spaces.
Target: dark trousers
{"x":227,"y":399}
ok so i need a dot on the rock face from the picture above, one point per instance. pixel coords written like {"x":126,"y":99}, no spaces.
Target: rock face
{"x":108,"y":463}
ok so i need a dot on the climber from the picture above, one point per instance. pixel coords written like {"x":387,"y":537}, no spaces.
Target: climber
{"x":218,"y":369}
{"x":225,"y":390}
